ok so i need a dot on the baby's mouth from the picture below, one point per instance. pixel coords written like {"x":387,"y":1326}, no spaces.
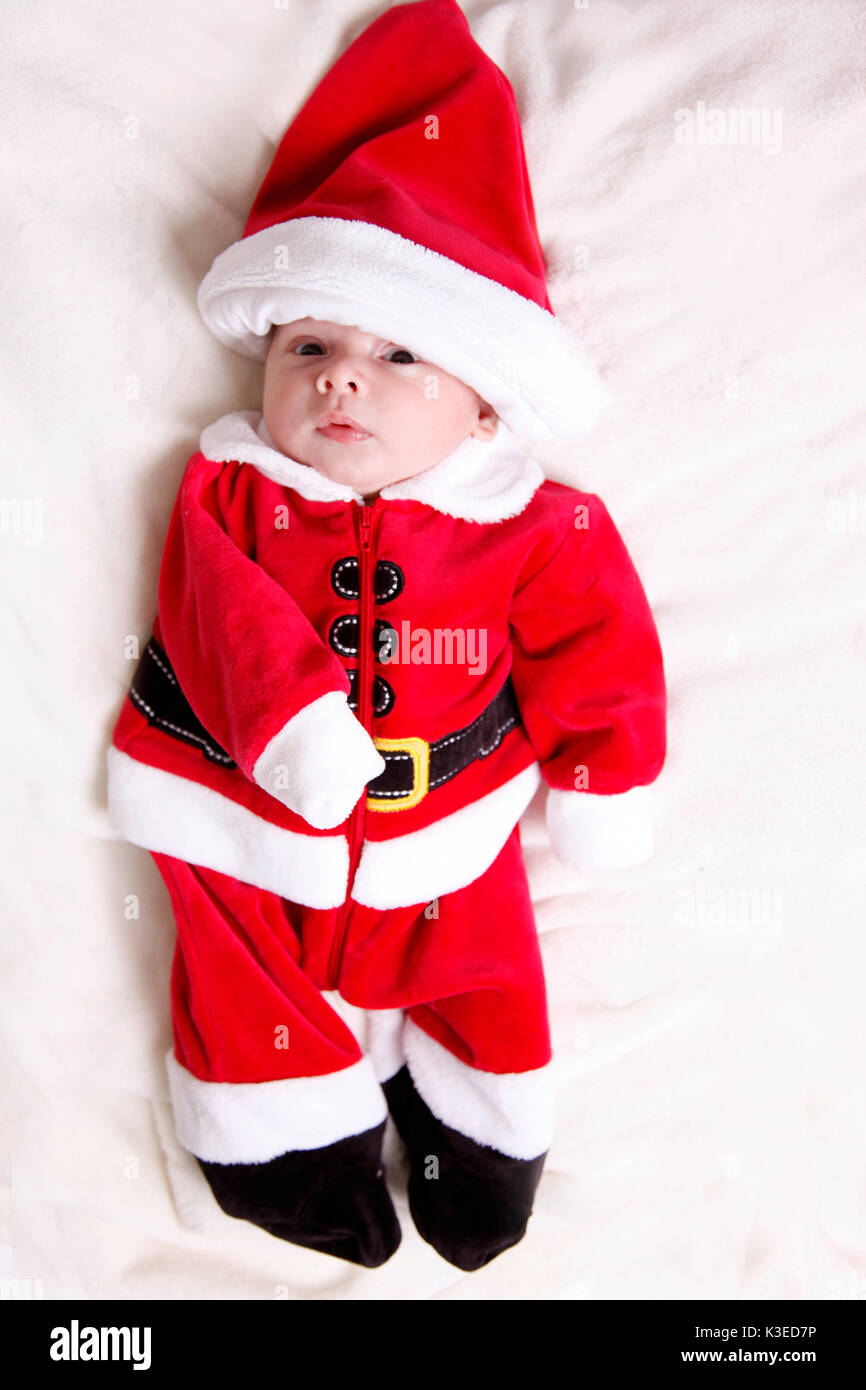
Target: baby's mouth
{"x":341,"y":428}
{"x":344,"y":433}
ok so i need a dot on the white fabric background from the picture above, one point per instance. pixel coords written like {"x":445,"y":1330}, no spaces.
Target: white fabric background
{"x":706,"y":1007}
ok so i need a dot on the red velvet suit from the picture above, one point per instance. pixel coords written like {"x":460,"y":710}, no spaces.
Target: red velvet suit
{"x":272,"y":584}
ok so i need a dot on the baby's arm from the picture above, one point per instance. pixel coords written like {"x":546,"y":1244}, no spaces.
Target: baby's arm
{"x":251,"y":665}
{"x":589,"y":678}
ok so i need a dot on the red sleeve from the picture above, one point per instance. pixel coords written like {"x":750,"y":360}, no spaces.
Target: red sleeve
{"x":246,"y":657}
{"x":587,"y":663}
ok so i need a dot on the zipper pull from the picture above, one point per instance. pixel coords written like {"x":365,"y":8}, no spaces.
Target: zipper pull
{"x":366,"y":524}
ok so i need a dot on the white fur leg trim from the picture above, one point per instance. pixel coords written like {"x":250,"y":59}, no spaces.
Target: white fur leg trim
{"x":172,"y":815}
{"x":591,"y":831}
{"x":513,"y":1112}
{"x":521,"y":359}
{"x":385,"y":1041}
{"x":252,"y":1122}
{"x":320,"y":762}
{"x":446,"y":855}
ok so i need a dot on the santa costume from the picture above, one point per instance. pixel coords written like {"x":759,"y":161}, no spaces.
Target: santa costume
{"x":345,"y":708}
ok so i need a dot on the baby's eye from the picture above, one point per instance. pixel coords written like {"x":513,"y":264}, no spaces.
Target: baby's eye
{"x":301,"y":348}
{"x":407,"y":355}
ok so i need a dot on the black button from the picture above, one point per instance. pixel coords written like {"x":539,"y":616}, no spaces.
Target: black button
{"x":384,"y":640}
{"x":388,"y":581}
{"x":343,"y":637}
{"x":383,"y":694}
{"x":343,"y":634}
{"x":344,"y":577}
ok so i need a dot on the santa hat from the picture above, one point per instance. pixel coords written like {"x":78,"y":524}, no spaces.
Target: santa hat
{"x":398,"y":200}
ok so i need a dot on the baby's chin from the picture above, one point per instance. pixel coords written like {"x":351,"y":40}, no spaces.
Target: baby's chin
{"x":362,"y":480}
{"x":360,"y":465}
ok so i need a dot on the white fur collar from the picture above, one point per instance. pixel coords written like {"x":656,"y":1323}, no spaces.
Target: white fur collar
{"x":481,"y":480}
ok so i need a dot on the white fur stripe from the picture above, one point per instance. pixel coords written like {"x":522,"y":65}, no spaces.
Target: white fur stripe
{"x":255,"y":1121}
{"x":519,"y":357}
{"x":484,"y":480}
{"x":385,"y":1041}
{"x":513,"y":1112}
{"x":446,"y":855}
{"x":591,"y":831}
{"x":173,"y":815}
{"x":243,"y":436}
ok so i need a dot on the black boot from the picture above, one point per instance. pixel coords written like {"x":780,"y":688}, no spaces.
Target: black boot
{"x":480,"y":1201}
{"x":332,"y":1199}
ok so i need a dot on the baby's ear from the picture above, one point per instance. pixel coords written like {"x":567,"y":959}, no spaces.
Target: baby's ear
{"x":487,"y":423}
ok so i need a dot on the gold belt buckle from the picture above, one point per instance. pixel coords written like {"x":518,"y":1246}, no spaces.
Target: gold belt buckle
{"x":419,"y":750}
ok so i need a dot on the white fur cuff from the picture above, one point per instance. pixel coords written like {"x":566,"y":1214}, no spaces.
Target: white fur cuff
{"x":320,"y":762}
{"x":590,"y":831}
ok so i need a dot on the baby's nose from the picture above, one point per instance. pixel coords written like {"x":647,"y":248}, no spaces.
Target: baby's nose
{"x":341,"y":375}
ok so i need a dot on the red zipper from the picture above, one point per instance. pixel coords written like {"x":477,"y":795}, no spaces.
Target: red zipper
{"x":365,"y":700}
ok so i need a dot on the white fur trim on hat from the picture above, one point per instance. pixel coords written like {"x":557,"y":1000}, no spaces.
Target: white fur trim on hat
{"x":520,"y":358}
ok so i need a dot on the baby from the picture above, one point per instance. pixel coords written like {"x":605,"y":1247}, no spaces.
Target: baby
{"x":329,"y":781}
{"x":316,"y":373}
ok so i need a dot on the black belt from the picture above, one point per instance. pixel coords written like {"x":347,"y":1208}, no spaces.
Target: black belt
{"x":413,"y":766}
{"x":155,"y":690}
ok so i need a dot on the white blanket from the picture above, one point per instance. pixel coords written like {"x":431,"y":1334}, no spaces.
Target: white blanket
{"x":706,"y":1007}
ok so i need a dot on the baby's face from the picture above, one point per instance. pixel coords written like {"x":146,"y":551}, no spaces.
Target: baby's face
{"x":409,"y":413}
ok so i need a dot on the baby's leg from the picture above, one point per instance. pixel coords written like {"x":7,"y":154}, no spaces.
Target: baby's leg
{"x":270,"y":1089}
{"x":474,"y":1101}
